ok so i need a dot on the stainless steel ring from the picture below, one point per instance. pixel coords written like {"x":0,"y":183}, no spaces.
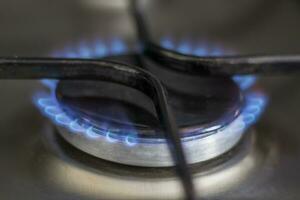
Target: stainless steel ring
{"x":197,"y":149}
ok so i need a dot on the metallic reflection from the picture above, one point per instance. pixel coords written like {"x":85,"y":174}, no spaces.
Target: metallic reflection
{"x":83,"y":180}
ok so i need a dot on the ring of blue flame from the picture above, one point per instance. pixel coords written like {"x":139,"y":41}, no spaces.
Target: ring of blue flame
{"x":48,"y":105}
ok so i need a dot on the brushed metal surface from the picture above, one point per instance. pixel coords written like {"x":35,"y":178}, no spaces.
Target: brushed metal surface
{"x":156,"y":154}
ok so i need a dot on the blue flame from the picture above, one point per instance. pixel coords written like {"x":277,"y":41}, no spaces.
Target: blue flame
{"x":189,"y":48}
{"x":93,"y":49}
{"x":51,"y":108}
{"x":167,"y":43}
{"x":118,"y":47}
{"x":255,"y":104}
{"x":184,"y":47}
{"x":48,"y":105}
{"x":245,"y":81}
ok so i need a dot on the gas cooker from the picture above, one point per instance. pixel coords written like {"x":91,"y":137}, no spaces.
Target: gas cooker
{"x":47,"y":166}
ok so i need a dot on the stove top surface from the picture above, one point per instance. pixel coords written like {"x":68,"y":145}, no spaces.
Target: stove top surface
{"x":36,"y":167}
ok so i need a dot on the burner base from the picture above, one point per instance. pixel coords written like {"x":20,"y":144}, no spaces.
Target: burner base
{"x":154,"y":152}
{"x":78,"y":172}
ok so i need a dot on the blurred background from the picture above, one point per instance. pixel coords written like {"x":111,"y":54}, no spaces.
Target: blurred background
{"x":34,"y":27}
{"x":39,"y":27}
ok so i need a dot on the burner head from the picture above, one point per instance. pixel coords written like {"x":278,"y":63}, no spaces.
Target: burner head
{"x":132,"y":148}
{"x":120,"y":109}
{"x":119,"y":124}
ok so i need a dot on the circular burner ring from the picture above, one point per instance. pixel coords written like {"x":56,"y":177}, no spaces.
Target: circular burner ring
{"x":121,"y":110}
{"x":157,"y":154}
{"x":151,"y":151}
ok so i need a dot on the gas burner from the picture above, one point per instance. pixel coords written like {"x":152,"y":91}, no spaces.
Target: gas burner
{"x":116,"y":123}
{"x":155,"y":120}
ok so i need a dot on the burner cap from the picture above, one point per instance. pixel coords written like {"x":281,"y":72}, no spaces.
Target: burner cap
{"x":120,"y":109}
